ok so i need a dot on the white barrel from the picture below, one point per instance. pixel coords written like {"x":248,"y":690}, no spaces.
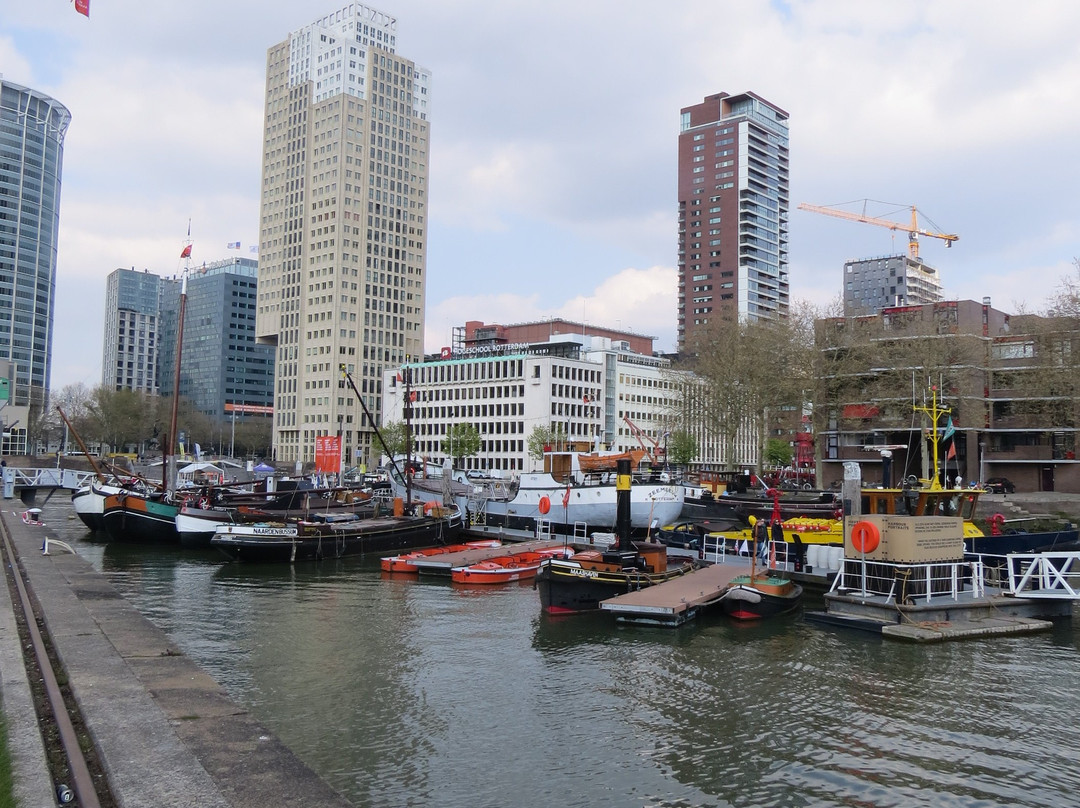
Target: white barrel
{"x":836,"y":558}
{"x":813,"y":556}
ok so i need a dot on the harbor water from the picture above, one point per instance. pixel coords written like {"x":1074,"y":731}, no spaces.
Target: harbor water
{"x":414,"y":692}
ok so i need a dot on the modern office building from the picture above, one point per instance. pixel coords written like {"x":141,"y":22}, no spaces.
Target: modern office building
{"x":129,"y":360}
{"x":32,"y":129}
{"x":343,"y":227}
{"x":221,"y":364}
{"x":733,"y":212}
{"x":871,"y":284}
{"x":589,"y":388}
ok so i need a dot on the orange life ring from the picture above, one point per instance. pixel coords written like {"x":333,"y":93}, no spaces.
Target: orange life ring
{"x":429,"y":507}
{"x":865,"y":537}
{"x":545,"y":505}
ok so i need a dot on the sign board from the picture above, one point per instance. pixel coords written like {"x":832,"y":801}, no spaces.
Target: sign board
{"x":252,"y":408}
{"x":910,"y":539}
{"x":327,"y":454}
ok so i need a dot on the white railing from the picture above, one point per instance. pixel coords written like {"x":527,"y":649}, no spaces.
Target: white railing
{"x":910,"y":583}
{"x":46,"y":478}
{"x":1047,"y":575}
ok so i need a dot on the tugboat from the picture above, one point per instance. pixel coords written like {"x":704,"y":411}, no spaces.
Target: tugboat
{"x":579,"y":583}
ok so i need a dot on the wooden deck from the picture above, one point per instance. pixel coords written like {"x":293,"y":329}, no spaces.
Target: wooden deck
{"x":442,"y":564}
{"x":674,"y":602}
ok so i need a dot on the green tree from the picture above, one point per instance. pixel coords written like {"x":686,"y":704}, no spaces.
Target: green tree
{"x":118,"y":418}
{"x":778,"y":452}
{"x":462,"y":440}
{"x":394,"y":435}
{"x":545,"y":435}
{"x":682,"y":447}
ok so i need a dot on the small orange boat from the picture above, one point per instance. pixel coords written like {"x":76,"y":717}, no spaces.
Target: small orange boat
{"x":507,"y":568}
{"x":404,"y":562}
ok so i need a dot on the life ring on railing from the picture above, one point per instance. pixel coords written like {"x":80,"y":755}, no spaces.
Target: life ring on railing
{"x":544,"y":505}
{"x":865,"y":537}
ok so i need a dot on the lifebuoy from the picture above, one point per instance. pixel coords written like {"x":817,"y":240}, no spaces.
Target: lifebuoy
{"x":429,"y":507}
{"x":865,"y":537}
{"x":545,"y":505}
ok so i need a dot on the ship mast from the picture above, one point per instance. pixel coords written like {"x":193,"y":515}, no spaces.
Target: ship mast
{"x":935,"y":414}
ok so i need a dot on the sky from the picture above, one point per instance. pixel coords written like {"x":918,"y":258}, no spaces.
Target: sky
{"x":553,"y":143}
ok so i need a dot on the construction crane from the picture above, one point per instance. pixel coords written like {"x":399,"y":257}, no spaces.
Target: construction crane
{"x":913,"y":230}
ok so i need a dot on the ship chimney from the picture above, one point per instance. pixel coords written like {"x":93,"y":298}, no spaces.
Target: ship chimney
{"x":622,"y":504}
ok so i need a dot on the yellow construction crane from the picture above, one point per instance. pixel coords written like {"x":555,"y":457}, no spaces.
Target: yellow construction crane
{"x":913,"y":230}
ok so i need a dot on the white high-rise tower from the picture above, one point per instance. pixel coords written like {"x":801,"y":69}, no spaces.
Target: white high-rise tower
{"x":343,"y":224}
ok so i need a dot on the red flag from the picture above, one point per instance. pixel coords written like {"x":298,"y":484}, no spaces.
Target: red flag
{"x":566,"y":497}
{"x":186,"y":252}
{"x":83,"y":7}
{"x":951,"y":454}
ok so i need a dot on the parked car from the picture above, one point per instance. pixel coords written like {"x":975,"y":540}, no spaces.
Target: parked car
{"x":999,"y":485}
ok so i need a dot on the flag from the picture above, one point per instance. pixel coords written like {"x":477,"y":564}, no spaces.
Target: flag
{"x":950,"y":430}
{"x":233,"y":245}
{"x":253,"y":248}
{"x":83,"y":7}
{"x":566,"y":497}
{"x":186,"y":252}
{"x":951,"y":454}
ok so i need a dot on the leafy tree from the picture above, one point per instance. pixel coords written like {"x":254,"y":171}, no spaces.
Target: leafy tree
{"x":545,"y":435}
{"x":462,"y":440}
{"x":394,"y":435}
{"x":118,"y":418}
{"x":778,"y":452}
{"x":682,"y":447}
{"x":752,"y":372}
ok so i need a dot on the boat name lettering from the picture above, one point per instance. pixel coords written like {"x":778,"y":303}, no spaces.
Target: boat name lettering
{"x":585,"y":573}
{"x":274,"y":531}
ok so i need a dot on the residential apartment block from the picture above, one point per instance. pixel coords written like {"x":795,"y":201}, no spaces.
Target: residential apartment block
{"x":343,"y":224}
{"x":1009,"y":387}
{"x":871,"y":284}
{"x":733,"y":211}
{"x":129,"y":360}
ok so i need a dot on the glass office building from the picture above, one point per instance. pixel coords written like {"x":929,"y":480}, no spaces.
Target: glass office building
{"x":32,"y":129}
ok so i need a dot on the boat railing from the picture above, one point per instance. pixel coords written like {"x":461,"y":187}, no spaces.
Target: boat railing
{"x":581,"y":531}
{"x":543,"y":528}
{"x":1047,"y":575}
{"x":908,"y":583}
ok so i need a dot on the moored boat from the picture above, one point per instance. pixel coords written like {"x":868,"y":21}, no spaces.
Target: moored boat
{"x":131,"y":516}
{"x":579,"y":583}
{"x":505,"y":569}
{"x":336,"y":536}
{"x":406,"y":562}
{"x":759,"y":595}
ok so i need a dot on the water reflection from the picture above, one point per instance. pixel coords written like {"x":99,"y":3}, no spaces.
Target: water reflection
{"x":416,"y":692}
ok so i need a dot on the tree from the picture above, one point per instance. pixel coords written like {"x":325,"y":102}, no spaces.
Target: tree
{"x":462,"y":440}
{"x":545,"y":436}
{"x":778,"y":452}
{"x":118,"y":418}
{"x":394,"y":435}
{"x":682,"y":447}
{"x":753,"y":371}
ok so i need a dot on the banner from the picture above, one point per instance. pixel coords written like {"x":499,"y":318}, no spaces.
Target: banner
{"x":327,"y":454}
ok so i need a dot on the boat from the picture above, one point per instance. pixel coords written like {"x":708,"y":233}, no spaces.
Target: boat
{"x":406,"y":562}
{"x":579,"y":583}
{"x":759,"y":595}
{"x":507,"y":568}
{"x":567,"y":500}
{"x":326,"y":536}
{"x":200,"y":516}
{"x":133,"y":516}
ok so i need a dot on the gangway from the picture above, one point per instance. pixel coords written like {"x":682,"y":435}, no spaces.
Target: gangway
{"x":1047,"y":576}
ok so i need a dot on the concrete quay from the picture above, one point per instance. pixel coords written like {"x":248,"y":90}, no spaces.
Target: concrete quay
{"x":165,"y":732}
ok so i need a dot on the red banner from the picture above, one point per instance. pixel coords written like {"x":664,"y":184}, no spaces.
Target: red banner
{"x":328,"y":454}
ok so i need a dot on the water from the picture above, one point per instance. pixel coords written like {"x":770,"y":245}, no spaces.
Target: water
{"x":415,"y":692}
